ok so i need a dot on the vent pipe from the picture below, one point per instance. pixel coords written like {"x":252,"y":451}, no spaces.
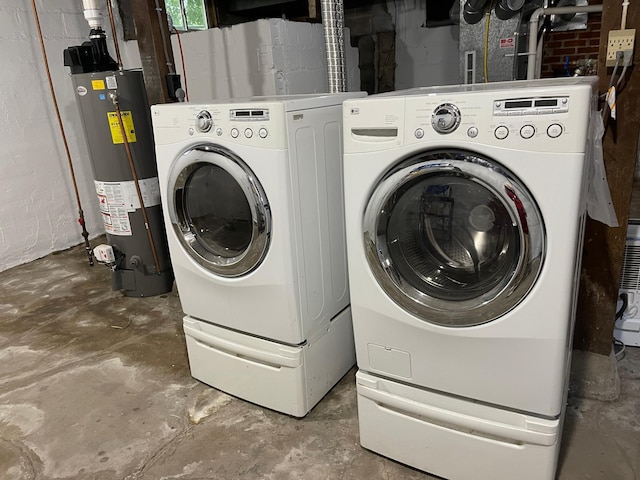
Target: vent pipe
{"x":93,"y":13}
{"x":333,"y":21}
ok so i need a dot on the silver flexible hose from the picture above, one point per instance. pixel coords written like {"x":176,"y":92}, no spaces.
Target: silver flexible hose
{"x":333,"y":22}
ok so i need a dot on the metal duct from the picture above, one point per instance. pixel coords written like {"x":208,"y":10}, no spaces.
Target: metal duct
{"x":333,"y":22}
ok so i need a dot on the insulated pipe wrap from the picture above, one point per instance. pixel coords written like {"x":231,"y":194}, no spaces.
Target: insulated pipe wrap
{"x":333,"y":23}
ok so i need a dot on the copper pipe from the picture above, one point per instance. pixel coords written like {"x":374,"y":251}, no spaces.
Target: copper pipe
{"x":134,"y":174}
{"x":114,"y":34}
{"x":81,"y":221}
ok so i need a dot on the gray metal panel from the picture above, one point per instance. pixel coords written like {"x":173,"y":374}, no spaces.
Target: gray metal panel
{"x":500,"y":47}
{"x":109,"y":160}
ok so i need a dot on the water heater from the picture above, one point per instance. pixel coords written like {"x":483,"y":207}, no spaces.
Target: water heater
{"x":140,"y":265}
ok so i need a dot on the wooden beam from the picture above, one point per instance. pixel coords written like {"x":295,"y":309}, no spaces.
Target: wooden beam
{"x":126,"y":17}
{"x":155,"y":63}
{"x":604,"y":246}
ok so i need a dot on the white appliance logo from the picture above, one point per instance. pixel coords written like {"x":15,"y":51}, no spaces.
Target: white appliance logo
{"x":82,"y":91}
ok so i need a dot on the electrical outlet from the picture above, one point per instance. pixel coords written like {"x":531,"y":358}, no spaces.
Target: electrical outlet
{"x":620,"y":41}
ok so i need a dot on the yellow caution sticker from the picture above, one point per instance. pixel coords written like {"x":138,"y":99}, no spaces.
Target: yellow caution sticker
{"x":114,"y":126}
{"x":97,"y":84}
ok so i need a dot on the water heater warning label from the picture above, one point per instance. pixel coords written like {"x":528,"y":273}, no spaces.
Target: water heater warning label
{"x":118,"y":199}
{"x":116,"y":132}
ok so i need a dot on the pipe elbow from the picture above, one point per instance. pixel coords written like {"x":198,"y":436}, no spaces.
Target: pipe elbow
{"x":473,"y":11}
{"x":506,"y":9}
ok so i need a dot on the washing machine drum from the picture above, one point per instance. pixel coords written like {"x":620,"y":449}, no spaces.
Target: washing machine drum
{"x":453,"y":237}
{"x":220,"y":212}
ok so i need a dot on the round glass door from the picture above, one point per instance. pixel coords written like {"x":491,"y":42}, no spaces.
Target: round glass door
{"x":220,"y":211}
{"x":453,"y":238}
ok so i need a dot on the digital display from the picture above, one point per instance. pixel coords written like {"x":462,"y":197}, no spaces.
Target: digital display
{"x":518,"y":104}
{"x":243,"y":113}
{"x":553,"y":102}
{"x":257,"y":113}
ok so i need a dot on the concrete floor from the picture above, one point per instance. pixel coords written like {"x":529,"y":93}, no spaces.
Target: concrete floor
{"x":96,"y":386}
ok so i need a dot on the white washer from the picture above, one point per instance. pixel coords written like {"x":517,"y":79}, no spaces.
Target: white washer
{"x":252,"y":193}
{"x":465,"y":212}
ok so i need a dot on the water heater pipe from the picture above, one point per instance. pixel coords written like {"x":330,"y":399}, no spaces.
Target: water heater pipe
{"x":81,"y":221}
{"x":532,"y":52}
{"x":332,"y":12}
{"x":114,"y":34}
{"x":113,"y":96}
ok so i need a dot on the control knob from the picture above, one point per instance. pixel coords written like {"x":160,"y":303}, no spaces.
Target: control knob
{"x":445,"y":118}
{"x":204,"y":122}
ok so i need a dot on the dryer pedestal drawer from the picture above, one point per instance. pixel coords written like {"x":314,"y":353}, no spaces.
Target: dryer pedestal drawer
{"x":288,"y":379}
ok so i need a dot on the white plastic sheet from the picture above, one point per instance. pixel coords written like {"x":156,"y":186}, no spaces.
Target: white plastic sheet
{"x":599,"y":204}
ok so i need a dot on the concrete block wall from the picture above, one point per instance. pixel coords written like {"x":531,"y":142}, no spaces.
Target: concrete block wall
{"x":424,"y":56}
{"x":369,"y":20}
{"x":264,"y":57}
{"x":38,"y":212}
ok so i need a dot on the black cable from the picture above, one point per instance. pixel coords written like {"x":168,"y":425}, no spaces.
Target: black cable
{"x":625,"y":303}
{"x":618,"y":346}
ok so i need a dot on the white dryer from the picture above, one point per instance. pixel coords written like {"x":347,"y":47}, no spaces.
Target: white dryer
{"x":465,"y":210}
{"x":252,"y":193}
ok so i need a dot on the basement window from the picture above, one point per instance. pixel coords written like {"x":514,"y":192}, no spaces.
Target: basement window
{"x":187,"y":14}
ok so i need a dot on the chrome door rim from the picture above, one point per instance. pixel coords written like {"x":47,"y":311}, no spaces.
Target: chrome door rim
{"x":255,"y":252}
{"x":484,"y":308}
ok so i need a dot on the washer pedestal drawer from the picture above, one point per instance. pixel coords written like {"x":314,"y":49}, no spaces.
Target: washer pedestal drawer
{"x":454,"y":438}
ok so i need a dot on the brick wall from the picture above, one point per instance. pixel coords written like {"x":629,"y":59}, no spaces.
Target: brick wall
{"x":565,"y":51}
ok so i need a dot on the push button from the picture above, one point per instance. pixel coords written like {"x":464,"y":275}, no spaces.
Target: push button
{"x":419,"y":133}
{"x":501,"y":132}
{"x":527,"y":131}
{"x":263,"y":133}
{"x":248,"y":132}
{"x":235,"y":132}
{"x":554,"y":130}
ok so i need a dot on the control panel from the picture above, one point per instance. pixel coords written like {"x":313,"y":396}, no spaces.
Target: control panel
{"x":249,"y":114}
{"x":536,"y":117}
{"x":260,"y":125}
{"x":526,"y":117}
{"x":522,"y":118}
{"x":204,"y":123}
{"x":530,"y":106}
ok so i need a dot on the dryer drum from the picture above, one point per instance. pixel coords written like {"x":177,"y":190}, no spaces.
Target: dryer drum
{"x":453,"y":238}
